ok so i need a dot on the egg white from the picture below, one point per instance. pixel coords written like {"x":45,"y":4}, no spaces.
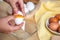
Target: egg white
{"x":18,"y":21}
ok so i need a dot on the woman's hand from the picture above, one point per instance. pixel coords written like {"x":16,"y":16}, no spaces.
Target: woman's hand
{"x":16,"y":5}
{"x":5,"y":27}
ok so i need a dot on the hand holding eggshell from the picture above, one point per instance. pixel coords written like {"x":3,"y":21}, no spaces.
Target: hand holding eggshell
{"x":19,"y":18}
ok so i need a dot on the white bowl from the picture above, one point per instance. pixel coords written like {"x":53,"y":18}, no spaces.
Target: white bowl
{"x":54,"y":32}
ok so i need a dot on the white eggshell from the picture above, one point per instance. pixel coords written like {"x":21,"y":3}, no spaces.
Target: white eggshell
{"x":18,"y":21}
{"x":30,"y":6}
{"x":20,"y":13}
{"x":26,"y":10}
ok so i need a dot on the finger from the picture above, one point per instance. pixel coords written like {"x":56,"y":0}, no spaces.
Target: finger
{"x":15,"y":9}
{"x":17,"y":27}
{"x":21,"y":4}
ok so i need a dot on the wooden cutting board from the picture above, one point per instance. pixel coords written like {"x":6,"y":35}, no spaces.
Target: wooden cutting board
{"x":18,"y":35}
{"x":33,"y":37}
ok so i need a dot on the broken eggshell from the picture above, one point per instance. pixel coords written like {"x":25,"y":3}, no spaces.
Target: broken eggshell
{"x":20,"y":13}
{"x":26,"y":9}
{"x":30,"y":6}
{"x":19,"y":18}
{"x":18,"y":21}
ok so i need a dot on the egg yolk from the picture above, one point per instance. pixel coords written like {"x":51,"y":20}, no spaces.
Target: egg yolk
{"x":18,"y":16}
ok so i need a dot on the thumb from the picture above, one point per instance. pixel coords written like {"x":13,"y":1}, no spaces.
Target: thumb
{"x":9,"y":18}
{"x":17,"y":27}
